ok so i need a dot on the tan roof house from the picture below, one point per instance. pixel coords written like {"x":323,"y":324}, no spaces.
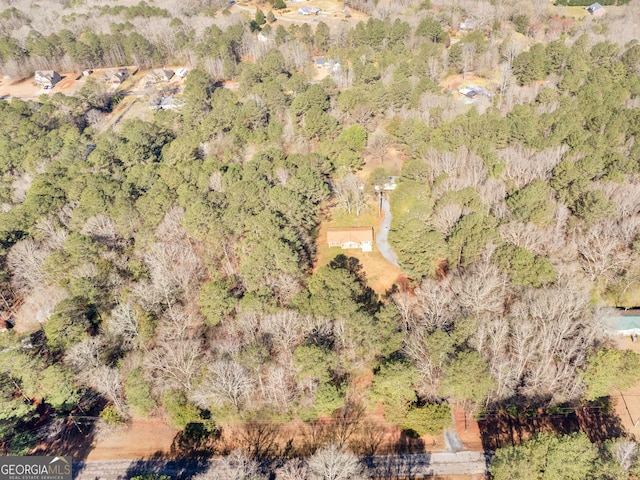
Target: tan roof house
{"x":353,"y":237}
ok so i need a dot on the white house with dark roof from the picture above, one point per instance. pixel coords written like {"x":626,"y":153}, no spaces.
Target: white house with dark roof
{"x":47,"y":78}
{"x":308,"y":11}
{"x":596,"y":10}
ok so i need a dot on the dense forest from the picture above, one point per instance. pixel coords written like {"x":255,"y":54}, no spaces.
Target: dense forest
{"x":172,"y":260}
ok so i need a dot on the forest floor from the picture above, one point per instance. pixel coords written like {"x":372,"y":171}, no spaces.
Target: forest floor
{"x":627,"y":403}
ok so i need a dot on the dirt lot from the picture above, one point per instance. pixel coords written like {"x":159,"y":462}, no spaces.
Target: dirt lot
{"x":140,"y":439}
{"x":26,"y":88}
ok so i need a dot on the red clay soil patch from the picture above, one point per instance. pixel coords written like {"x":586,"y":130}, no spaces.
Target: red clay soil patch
{"x":141,"y":439}
{"x":66,"y":83}
{"x":467,"y":429}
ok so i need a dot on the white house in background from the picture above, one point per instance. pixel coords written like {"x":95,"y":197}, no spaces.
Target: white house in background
{"x":467,"y":25}
{"x":391,"y":184}
{"x":163,"y":74}
{"x":308,"y":11}
{"x":47,"y":78}
{"x":119,"y":76}
{"x":352,"y":237}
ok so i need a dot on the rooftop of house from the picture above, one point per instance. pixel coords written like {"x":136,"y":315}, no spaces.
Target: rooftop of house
{"x":350,"y":234}
{"x":47,"y":74}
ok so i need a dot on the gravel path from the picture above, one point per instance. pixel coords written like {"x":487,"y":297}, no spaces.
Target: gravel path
{"x":382,"y":241}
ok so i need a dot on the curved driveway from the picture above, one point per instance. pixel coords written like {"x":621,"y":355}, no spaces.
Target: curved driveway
{"x":382,"y":241}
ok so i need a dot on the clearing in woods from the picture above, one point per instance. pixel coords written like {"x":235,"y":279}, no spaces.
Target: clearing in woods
{"x":381,"y":275}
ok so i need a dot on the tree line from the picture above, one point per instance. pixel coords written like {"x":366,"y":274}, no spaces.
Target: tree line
{"x":172,"y":259}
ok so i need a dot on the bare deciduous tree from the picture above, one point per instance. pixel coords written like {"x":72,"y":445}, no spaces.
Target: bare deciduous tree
{"x":334,"y":463}
{"x":433,"y":306}
{"x":25,"y":261}
{"x":526,"y":235}
{"x":378,"y":145}
{"x":603,"y":252}
{"x":295,"y":469}
{"x":226,"y":383}
{"x":296,"y":54}
{"x":626,"y":452}
{"x":177,"y":355}
{"x":446,"y":216}
{"x":350,"y":194}
{"x":235,"y":466}
{"x":123,"y":323}
{"x":525,"y":165}
{"x":481,"y":289}
{"x":87,"y":354}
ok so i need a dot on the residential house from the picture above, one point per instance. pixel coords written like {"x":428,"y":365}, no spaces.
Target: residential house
{"x":182,"y":72}
{"x":596,"y":10}
{"x":467,"y":25}
{"x":352,"y":237}
{"x":119,"y":76}
{"x":470,"y":91}
{"x":166,"y":103}
{"x":391,"y":184}
{"x":47,"y":78}
{"x":163,"y":74}
{"x":308,"y":11}
{"x":320,"y":62}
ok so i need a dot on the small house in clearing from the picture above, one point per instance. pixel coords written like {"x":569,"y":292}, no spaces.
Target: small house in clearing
{"x":47,"y":78}
{"x":119,"y":76}
{"x":596,"y":9}
{"x":467,"y":25}
{"x":308,"y":11}
{"x":352,"y":237}
{"x":162,"y":74}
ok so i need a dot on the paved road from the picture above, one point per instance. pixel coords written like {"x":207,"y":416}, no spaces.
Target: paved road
{"x":409,"y":466}
{"x":382,"y":241}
